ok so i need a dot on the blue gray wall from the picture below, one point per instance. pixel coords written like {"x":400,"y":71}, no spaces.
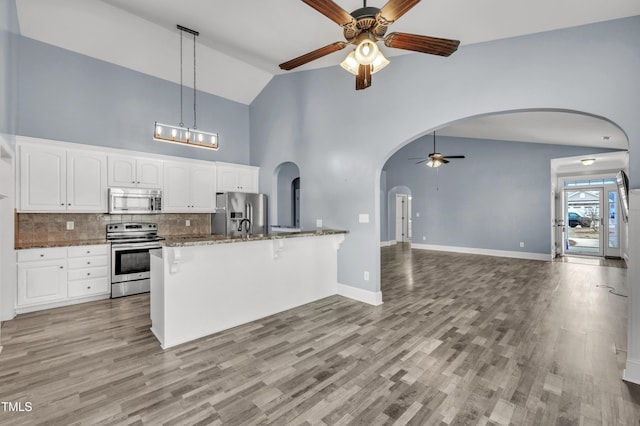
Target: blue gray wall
{"x":9,"y":30}
{"x":75,"y":98}
{"x":496,"y":197}
{"x":341,"y":138}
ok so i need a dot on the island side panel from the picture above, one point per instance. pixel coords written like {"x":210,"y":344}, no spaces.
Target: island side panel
{"x":210,"y":288}
{"x":156,"y":296}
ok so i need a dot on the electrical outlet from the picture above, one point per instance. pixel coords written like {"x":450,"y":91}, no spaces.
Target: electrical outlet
{"x":187,"y":222}
{"x":366,"y":275}
{"x":318,"y":223}
{"x":363,"y":218}
{"x":70,"y":226}
{"x":521,"y":243}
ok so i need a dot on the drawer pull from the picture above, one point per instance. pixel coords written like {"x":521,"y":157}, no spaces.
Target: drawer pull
{"x":42,"y":255}
{"x":88,"y":263}
{"x":88,"y":273}
{"x":62,"y":267}
{"x":88,"y":287}
{"x":88,"y":251}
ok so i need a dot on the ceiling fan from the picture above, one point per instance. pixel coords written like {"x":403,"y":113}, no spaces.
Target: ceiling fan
{"x":435,"y":159}
{"x":363,"y":28}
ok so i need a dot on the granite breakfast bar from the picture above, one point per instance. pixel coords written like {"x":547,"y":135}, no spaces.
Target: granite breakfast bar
{"x":202,"y":285}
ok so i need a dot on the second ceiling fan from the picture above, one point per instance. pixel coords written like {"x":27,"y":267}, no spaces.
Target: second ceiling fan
{"x":363,"y":28}
{"x":435,"y":159}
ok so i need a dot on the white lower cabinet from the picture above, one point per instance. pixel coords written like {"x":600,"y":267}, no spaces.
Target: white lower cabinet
{"x":88,"y":270}
{"x":42,"y":276}
{"x":59,"y":276}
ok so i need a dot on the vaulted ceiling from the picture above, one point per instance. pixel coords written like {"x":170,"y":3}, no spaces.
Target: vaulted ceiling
{"x":242,"y":42}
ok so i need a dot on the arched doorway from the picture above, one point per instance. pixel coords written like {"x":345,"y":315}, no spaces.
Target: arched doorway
{"x":286,"y":196}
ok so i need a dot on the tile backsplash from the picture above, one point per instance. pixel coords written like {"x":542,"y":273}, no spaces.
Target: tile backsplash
{"x":50,"y":227}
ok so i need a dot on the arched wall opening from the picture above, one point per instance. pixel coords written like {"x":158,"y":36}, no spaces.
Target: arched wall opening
{"x":285,"y":196}
{"x":495,"y":201}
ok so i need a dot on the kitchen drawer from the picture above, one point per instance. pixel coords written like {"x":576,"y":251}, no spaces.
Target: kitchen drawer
{"x":86,"y":273}
{"x":87,"y":262}
{"x":88,"y":287}
{"x":29,"y":255}
{"x":81,"y":251}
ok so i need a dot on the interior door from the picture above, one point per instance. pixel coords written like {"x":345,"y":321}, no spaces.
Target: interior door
{"x":584,"y":230}
{"x":402,"y":218}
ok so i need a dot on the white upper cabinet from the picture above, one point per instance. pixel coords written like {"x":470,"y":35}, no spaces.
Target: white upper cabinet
{"x":131,"y":172}
{"x":55,"y":179}
{"x":43,"y":178}
{"x":188,"y":187}
{"x":86,"y":181}
{"x":237,"y":178}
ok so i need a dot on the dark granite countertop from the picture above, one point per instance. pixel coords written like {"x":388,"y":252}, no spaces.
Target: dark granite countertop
{"x":201,"y":240}
{"x":52,"y":244}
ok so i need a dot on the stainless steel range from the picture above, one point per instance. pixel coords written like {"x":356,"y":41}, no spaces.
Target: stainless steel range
{"x":130,"y":258}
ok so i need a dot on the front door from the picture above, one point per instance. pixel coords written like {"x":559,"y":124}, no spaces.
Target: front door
{"x":583,"y":208}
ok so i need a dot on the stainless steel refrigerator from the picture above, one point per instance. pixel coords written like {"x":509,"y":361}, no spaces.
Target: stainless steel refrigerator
{"x":231,"y":210}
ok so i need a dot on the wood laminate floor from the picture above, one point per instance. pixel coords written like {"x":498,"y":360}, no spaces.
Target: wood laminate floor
{"x":460,"y":339}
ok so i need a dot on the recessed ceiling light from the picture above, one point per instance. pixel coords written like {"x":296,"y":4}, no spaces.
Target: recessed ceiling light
{"x":588,"y":161}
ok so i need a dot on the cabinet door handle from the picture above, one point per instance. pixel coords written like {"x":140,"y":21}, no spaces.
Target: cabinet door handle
{"x":62,"y":204}
{"x":62,"y":267}
{"x":88,"y":263}
{"x":88,"y":287}
{"x":42,"y":255}
{"x":138,"y":182}
{"x":88,"y":273}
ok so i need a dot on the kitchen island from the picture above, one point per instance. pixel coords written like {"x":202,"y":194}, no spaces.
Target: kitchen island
{"x":205,"y":284}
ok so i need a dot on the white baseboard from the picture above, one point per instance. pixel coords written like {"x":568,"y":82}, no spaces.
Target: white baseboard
{"x":34,"y":308}
{"x":387,"y":243}
{"x":632,"y":372}
{"x":361,"y":295}
{"x":485,"y":252}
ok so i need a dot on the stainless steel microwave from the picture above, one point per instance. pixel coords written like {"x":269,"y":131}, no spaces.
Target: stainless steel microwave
{"x":135,"y":201}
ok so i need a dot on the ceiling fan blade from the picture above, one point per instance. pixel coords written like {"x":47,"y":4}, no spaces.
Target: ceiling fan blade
{"x":423,"y":44}
{"x":418,"y":158}
{"x":426,"y":159}
{"x":312,"y":56}
{"x":444,"y":161}
{"x":453,"y":156}
{"x":363,"y":79}
{"x":331,"y":11}
{"x":394,"y":9}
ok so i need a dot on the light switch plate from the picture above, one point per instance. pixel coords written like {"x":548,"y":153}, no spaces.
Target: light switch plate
{"x":363,"y":218}
{"x":70,"y":226}
{"x":318,"y":223}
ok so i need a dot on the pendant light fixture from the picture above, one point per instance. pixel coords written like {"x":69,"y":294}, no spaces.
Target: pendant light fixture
{"x":181,"y":134}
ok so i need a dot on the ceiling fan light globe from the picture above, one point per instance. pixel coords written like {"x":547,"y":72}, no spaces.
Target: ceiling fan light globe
{"x":350,"y":64}
{"x":379,"y":63}
{"x":366,"y":52}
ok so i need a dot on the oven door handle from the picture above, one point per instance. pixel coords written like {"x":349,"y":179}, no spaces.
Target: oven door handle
{"x":136,"y":246}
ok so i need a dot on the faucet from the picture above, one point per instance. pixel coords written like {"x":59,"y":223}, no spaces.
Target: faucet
{"x":246,"y":229}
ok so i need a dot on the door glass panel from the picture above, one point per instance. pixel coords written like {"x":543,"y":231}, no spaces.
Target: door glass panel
{"x":614,"y":240}
{"x":582,"y":219}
